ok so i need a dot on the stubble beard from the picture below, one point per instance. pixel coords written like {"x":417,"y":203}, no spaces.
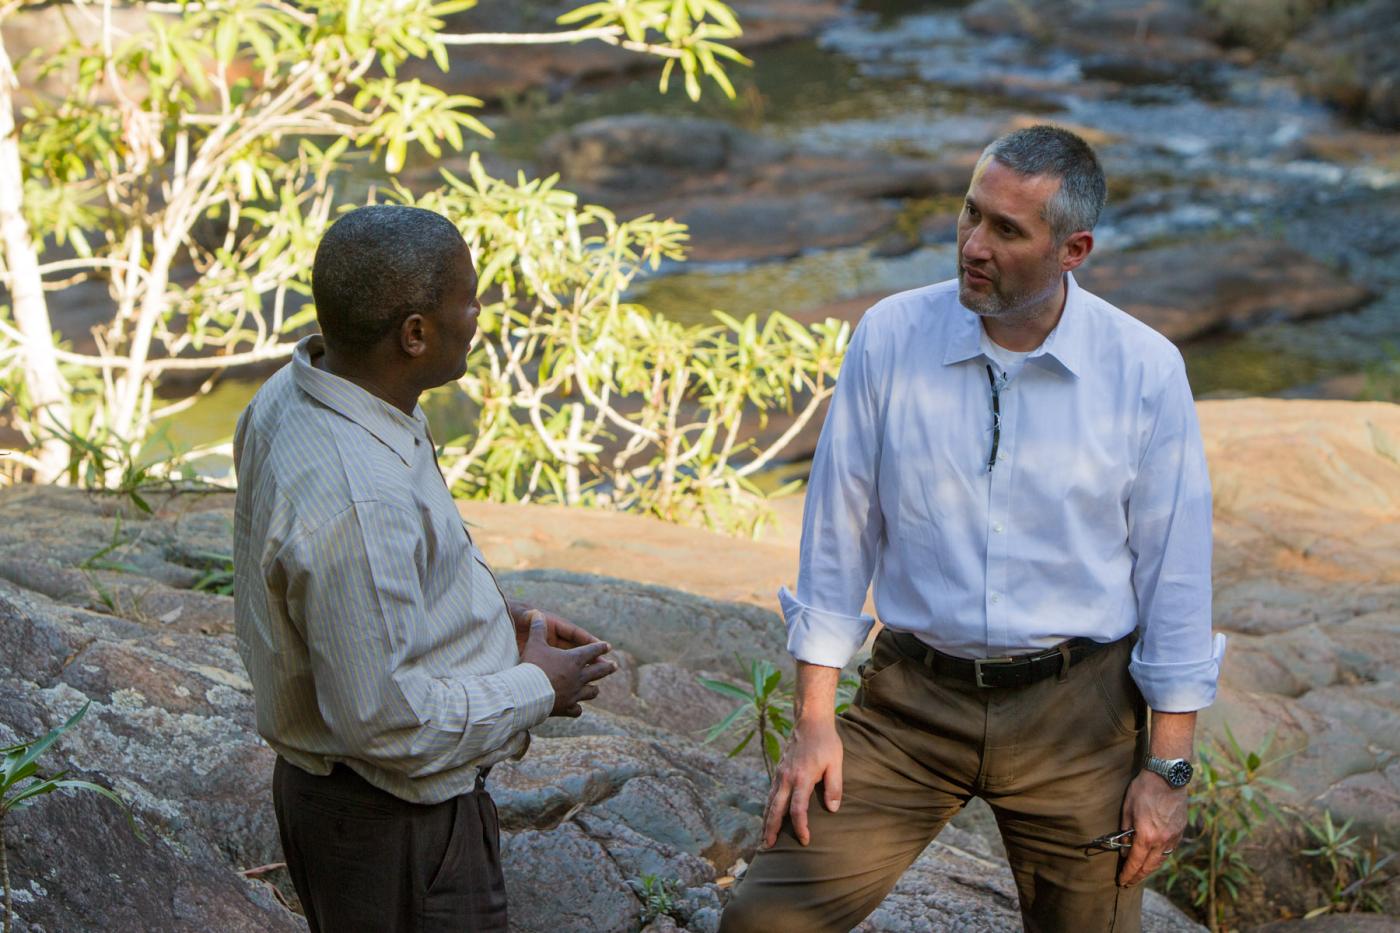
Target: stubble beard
{"x":998,"y":304}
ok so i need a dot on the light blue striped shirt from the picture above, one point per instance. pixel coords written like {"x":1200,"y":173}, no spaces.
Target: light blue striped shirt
{"x":1095,"y":520}
{"x":373,"y":631}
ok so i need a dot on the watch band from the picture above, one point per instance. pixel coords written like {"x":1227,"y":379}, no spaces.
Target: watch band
{"x":1177,"y":772}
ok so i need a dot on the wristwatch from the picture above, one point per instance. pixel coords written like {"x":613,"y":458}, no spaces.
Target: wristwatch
{"x":1175,"y":771}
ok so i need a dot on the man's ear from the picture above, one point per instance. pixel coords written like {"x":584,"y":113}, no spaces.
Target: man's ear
{"x":1075,"y":250}
{"x":413,"y":337}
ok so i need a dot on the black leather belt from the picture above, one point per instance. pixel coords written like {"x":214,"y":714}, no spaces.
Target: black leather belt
{"x":1018,"y":671}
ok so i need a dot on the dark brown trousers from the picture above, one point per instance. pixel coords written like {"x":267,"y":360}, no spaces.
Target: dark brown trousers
{"x":1052,"y":759}
{"x":364,"y":860}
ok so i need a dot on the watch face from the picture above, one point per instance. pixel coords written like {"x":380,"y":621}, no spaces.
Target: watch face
{"x":1179,"y":774}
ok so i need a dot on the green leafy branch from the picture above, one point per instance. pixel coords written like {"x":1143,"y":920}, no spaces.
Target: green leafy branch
{"x":764,"y":712}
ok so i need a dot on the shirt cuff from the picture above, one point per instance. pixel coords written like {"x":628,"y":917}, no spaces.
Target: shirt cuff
{"x":532,"y":694}
{"x":820,"y":637}
{"x":1178,"y":686}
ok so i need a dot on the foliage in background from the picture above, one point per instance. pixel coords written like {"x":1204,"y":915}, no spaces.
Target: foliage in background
{"x":21,"y":785}
{"x":764,"y":711}
{"x":193,"y":162}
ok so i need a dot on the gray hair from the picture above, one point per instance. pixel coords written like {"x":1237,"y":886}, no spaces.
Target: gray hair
{"x":1050,"y":150}
{"x":379,"y":264}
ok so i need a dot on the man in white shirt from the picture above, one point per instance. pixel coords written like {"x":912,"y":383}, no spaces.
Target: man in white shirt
{"x":1018,"y":466}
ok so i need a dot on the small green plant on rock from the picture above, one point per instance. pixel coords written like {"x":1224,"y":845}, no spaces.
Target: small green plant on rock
{"x":1353,"y":873}
{"x":658,"y":896}
{"x":21,"y":785}
{"x":765,"y":711}
{"x":1229,"y":803}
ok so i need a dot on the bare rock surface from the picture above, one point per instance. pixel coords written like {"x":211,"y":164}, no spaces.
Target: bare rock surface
{"x":1308,"y":586}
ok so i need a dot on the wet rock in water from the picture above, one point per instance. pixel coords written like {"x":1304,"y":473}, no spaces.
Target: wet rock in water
{"x":739,"y":227}
{"x":1189,"y":290}
{"x":743,"y":196}
{"x":1351,"y":59}
{"x":642,"y":153}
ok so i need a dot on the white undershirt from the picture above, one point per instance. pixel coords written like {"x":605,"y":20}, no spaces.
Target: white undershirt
{"x":1008,"y":361}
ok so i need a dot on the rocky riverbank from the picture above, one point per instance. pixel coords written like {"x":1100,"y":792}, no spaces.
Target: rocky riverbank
{"x":1307,"y":581}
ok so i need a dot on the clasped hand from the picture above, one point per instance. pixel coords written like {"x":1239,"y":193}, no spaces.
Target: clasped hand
{"x":570,"y":656}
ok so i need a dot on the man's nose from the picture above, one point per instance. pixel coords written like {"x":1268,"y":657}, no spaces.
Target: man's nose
{"x":975,"y":246}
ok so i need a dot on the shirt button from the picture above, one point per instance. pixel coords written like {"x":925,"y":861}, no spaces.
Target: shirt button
{"x":998,"y":528}
{"x":996,"y":597}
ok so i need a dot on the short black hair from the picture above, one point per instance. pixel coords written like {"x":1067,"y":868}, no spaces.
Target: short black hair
{"x":1059,"y":153}
{"x":379,"y":264}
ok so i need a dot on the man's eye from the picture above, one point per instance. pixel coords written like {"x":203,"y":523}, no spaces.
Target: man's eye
{"x":1008,"y":230}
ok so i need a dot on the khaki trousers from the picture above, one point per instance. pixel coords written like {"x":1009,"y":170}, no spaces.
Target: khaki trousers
{"x":1052,"y":759}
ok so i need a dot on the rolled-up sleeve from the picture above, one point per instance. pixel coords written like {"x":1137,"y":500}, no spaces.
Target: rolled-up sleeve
{"x":355,"y":593}
{"x":841,"y":522}
{"x":1176,"y":662}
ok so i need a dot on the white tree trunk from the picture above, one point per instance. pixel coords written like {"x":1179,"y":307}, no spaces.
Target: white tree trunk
{"x":48,"y":392}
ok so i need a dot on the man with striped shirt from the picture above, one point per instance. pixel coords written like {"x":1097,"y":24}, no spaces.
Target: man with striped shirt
{"x":388,"y":668}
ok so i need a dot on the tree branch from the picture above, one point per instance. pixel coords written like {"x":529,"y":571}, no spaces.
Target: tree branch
{"x":612,"y":35}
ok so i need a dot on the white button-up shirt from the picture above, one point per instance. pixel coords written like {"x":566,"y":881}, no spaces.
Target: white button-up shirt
{"x":1094,"y":521}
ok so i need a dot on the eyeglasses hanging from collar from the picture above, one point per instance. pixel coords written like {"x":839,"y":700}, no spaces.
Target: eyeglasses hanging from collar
{"x":997,"y":386}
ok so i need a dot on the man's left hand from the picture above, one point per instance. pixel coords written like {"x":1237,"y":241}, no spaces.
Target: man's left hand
{"x":1156,"y":812}
{"x":561,"y":632}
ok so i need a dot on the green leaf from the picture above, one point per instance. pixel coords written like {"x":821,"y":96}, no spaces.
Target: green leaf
{"x":38,"y":748}
{"x":724,"y":725}
{"x":226,"y":40}
{"x":719,"y":686}
{"x":773,"y":747}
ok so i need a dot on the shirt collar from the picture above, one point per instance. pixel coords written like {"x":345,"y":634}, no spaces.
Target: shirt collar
{"x":390,"y":426}
{"x":1064,"y":345}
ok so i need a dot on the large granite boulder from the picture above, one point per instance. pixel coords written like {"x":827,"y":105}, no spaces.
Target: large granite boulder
{"x":601,"y":804}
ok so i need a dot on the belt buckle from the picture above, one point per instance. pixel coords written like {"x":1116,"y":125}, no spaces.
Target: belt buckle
{"x":979,"y":663}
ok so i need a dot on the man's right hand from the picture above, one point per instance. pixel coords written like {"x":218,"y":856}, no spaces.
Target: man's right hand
{"x":812,"y":757}
{"x":571,"y":671}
